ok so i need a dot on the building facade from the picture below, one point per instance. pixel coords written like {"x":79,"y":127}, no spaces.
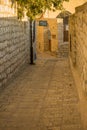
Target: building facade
{"x":63,"y":27}
{"x":7,"y":9}
{"x":47,"y":36}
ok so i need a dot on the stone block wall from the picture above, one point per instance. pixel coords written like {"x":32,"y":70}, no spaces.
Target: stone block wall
{"x":78,"y":42}
{"x":14,"y":47}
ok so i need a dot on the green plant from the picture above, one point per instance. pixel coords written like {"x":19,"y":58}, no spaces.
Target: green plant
{"x":34,"y":8}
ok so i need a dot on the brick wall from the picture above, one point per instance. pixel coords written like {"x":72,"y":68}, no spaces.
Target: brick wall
{"x":14,"y":47}
{"x":78,"y":42}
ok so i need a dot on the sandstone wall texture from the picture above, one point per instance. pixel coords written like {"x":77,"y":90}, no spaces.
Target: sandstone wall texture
{"x":78,"y":42}
{"x":14,"y":47}
{"x":53,"y":25}
{"x":40,"y":38}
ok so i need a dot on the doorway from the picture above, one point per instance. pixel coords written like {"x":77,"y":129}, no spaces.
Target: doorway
{"x":63,"y":26}
{"x":65,"y":29}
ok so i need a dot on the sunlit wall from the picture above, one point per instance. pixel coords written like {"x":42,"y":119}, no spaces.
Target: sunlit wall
{"x":6,"y":9}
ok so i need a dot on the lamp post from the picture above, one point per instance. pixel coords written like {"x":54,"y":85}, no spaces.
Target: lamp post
{"x":31,"y":44}
{"x":32,"y":39}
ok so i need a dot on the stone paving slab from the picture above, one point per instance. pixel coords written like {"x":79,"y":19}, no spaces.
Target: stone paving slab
{"x":42,"y":97}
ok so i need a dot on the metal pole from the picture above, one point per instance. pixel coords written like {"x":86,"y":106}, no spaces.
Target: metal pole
{"x":31,"y":44}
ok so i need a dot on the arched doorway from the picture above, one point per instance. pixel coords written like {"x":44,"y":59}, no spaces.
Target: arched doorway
{"x":63,"y":27}
{"x":47,"y":39}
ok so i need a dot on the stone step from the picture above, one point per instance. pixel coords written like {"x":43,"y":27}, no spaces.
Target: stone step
{"x":63,"y":50}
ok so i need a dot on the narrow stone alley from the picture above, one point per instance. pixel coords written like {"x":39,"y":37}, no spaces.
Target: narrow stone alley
{"x":42,"y":97}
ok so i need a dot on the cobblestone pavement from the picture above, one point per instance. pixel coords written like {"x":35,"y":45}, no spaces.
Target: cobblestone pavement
{"x":42,"y":97}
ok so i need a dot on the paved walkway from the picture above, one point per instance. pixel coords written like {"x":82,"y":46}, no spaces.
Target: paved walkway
{"x":42,"y":97}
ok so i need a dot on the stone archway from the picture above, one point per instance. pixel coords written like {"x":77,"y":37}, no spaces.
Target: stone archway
{"x":63,"y":26}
